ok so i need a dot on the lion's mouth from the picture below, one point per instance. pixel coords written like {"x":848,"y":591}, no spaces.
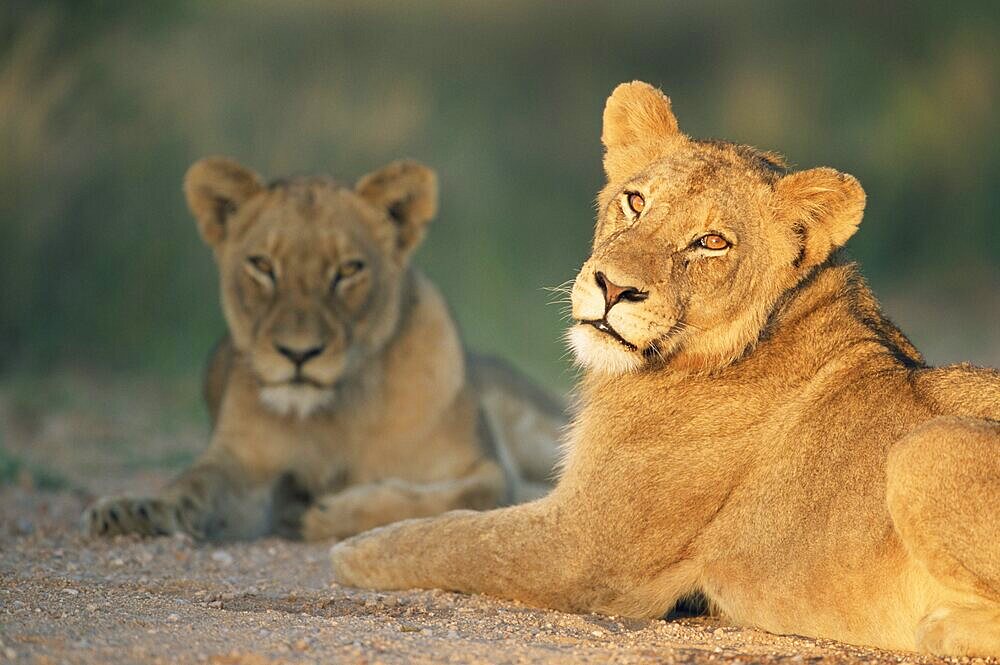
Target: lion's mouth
{"x":296,"y":381}
{"x":603,"y":326}
{"x":300,"y":380}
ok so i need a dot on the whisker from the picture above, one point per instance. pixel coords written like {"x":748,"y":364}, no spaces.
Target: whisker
{"x":564,"y":287}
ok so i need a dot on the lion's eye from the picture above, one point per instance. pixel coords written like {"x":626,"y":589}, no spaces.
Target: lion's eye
{"x":262,"y":265}
{"x":348,"y":269}
{"x":635,"y":202}
{"x":714,"y":242}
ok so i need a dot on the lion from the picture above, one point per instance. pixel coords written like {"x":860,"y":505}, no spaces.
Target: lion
{"x":752,"y":427}
{"x":341,"y":397}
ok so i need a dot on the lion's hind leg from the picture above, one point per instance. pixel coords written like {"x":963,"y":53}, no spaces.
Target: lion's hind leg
{"x":943,"y":493}
{"x":363,"y":507}
{"x":972,"y":631}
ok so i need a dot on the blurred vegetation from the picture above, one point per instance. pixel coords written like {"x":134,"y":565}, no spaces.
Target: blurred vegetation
{"x":103,"y":105}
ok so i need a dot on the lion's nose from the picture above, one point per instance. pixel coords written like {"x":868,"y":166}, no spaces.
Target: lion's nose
{"x":613,"y":293}
{"x":300,"y":356}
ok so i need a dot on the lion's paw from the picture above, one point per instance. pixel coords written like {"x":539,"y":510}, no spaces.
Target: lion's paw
{"x":112,"y":516}
{"x":342,"y":555}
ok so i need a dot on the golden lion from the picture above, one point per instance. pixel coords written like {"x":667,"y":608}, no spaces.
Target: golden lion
{"x":341,"y":398}
{"x":751,"y":428}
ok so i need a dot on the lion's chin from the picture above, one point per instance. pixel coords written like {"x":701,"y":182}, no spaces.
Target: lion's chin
{"x":599,"y":352}
{"x":298,"y":399}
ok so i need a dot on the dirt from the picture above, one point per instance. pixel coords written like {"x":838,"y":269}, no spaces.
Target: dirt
{"x":68,"y":599}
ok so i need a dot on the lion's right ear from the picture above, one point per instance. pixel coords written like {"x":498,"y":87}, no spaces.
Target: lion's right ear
{"x":635,"y":116}
{"x":215,"y":188}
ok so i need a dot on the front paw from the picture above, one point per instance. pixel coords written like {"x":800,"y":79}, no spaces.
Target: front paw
{"x":342,"y":515}
{"x":325,"y":520}
{"x":112,"y":516}
{"x":351,"y":561}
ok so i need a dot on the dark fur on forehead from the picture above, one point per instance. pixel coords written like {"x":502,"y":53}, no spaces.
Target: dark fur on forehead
{"x":769,"y":165}
{"x":303,"y":182}
{"x":302,"y":189}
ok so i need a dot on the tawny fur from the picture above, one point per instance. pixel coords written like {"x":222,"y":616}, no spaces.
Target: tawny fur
{"x":760,"y":433}
{"x":381,"y":416}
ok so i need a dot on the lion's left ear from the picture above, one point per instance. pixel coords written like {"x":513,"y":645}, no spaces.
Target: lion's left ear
{"x":408,"y":192}
{"x":825,"y":206}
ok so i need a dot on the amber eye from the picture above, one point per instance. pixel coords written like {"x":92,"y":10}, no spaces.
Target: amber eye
{"x":713,"y":241}
{"x":635,"y":202}
{"x":348,"y":269}
{"x":262,"y":265}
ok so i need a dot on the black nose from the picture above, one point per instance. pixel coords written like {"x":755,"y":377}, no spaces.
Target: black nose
{"x":614,"y":293}
{"x":299,"y":356}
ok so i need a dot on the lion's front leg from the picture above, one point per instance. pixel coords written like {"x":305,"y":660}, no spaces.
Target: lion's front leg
{"x":363,"y":507}
{"x":520,"y":553}
{"x":208,"y":501}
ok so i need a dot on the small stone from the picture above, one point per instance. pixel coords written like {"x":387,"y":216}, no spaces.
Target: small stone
{"x":71,"y":592}
{"x":597,"y":633}
{"x":172,"y":618}
{"x":222,"y":557}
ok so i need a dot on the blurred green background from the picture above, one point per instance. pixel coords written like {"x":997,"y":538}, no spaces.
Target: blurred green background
{"x":103,"y":105}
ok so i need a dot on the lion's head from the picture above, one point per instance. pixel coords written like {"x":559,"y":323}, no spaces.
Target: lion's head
{"x":311,"y":272}
{"x":696,"y":241}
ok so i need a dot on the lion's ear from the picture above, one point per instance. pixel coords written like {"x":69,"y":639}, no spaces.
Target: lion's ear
{"x":635,"y":115}
{"x":408,"y":192}
{"x":825,"y":206}
{"x":215,"y":188}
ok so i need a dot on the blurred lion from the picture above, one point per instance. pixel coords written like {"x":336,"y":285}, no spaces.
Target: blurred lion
{"x":752,"y":427}
{"x":342,"y":398}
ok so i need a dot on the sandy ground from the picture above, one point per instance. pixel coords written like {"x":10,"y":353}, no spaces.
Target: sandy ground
{"x":66,"y":599}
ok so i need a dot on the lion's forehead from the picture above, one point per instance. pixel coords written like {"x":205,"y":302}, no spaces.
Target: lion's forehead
{"x":331,"y":225}
{"x":705,"y":186}
{"x":713,"y":167}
